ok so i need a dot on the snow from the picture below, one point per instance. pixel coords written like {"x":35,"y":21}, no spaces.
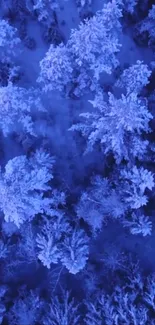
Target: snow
{"x":29,"y":59}
{"x":73,"y":170}
{"x":130,"y":52}
{"x":68,"y":16}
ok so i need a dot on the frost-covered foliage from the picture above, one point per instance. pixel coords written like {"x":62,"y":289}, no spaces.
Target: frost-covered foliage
{"x":75,"y":251}
{"x":116,"y":125}
{"x":99,"y":202}
{"x":134,"y":78}
{"x":139,"y":225}
{"x":56,"y":68}
{"x":57,"y":242}
{"x":113,"y":259}
{"x":134,"y":182}
{"x":147,"y":27}
{"x":23,"y":185}
{"x":26,"y":309}
{"x":44,"y":9}
{"x":62,"y":311}
{"x":127,"y":305}
{"x":95,"y":44}
{"x":90,"y":49}
{"x":129,"y":5}
{"x":49,"y":240}
{"x":16,"y":107}
{"x":27,"y":248}
{"x":149,"y":295}
{"x":115,"y":197}
{"x":8,"y":41}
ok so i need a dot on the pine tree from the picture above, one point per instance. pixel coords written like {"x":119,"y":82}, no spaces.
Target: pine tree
{"x":56,"y":68}
{"x":134,"y":78}
{"x":16,"y":107}
{"x":62,"y":311}
{"x":23,"y":185}
{"x":116,"y":125}
{"x":129,"y":5}
{"x":95,"y":44}
{"x":99,"y":202}
{"x":147,"y":25}
{"x":139,"y":225}
{"x":44,"y":9}
{"x":49,"y":240}
{"x":134,"y":182}
{"x":8,"y":41}
{"x":26,"y":309}
{"x":75,"y":251}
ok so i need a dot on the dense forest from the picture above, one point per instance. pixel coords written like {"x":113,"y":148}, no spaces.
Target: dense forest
{"x":77,"y":162}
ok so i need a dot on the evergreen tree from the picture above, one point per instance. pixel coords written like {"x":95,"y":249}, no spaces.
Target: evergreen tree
{"x":23,"y":185}
{"x":62,"y":311}
{"x":95,"y":44}
{"x":56,"y":68}
{"x":9,"y":41}
{"x":16,"y":107}
{"x":134,"y":182}
{"x":134,"y":78}
{"x":75,"y":251}
{"x":117,"y":125}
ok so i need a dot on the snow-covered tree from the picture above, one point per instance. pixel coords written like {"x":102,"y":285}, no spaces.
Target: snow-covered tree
{"x":95,"y":43}
{"x":118,"y":308}
{"x":149,"y":295}
{"x":129,"y":5}
{"x":91,"y":48}
{"x":134,"y":78}
{"x":130,"y":112}
{"x":8,"y":41}
{"x":116,"y":125}
{"x":26,"y":309}
{"x":100,"y":310}
{"x":49,"y":240}
{"x":22,"y":187}
{"x":16,"y":107}
{"x":113,"y":258}
{"x":75,"y":251}
{"x":27,"y":248}
{"x":98,"y":203}
{"x":58,"y":242}
{"x":56,"y":68}
{"x":148,"y":26}
{"x":138,"y":225}
{"x":62,"y":312}
{"x":152,"y":12}
{"x":131,"y":302}
{"x":134,"y":182}
{"x":44,"y":9}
